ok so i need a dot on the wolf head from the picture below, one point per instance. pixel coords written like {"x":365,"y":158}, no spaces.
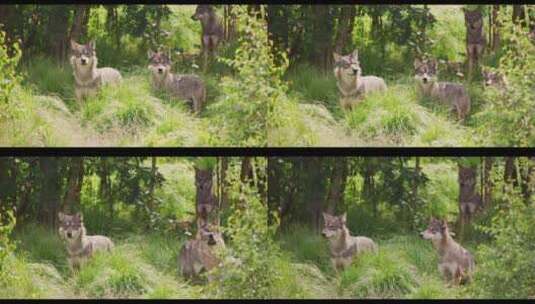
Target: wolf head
{"x":333,"y":225}
{"x":467,"y":177}
{"x":202,"y":12}
{"x":83,"y":56}
{"x":425,"y":71}
{"x":210,"y":235}
{"x":492,"y":79}
{"x":436,"y":230}
{"x":347,"y":66}
{"x":474,"y":19}
{"x":71,"y":227}
{"x":159,"y":64}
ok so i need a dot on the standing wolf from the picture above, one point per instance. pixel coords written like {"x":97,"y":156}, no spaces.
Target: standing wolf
{"x":212,"y":30}
{"x":198,"y":255}
{"x":343,"y":246}
{"x":188,"y":87}
{"x":475,"y":38}
{"x":352,"y":85}
{"x":87,"y":77}
{"x":79,"y":245}
{"x":452,"y":94}
{"x":455,"y":262}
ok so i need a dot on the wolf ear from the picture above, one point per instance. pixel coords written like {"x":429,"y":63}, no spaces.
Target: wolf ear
{"x":343,"y":217}
{"x":326,"y":216}
{"x":433,"y":63}
{"x":74,"y":45}
{"x":92,"y":44}
{"x":150,"y":53}
{"x":443,"y":224}
{"x":417,"y":63}
{"x":80,"y":216}
{"x":355,"y":54}
{"x":61,"y":216}
{"x":336,"y":56}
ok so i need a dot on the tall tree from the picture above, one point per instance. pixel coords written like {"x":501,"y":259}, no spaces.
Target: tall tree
{"x":344,"y":31}
{"x":204,"y":199}
{"x":79,"y":24}
{"x":335,"y":194}
{"x":71,"y":200}
{"x":48,"y":206}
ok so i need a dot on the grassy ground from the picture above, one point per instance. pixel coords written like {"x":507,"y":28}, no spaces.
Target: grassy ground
{"x":131,"y":114}
{"x":398,"y":118}
{"x":405,"y":267}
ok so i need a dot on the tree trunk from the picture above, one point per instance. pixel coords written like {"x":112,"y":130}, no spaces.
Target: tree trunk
{"x":495,"y":26}
{"x":526,"y":178}
{"x":57,"y":31}
{"x":322,"y":33}
{"x":275,"y":175}
{"x":344,"y":31}
{"x":112,"y":24}
{"x":486,"y":181}
{"x":519,"y":15}
{"x":204,"y":200}
{"x":335,"y":195}
{"x":510,"y":171}
{"x":79,"y":25}
{"x":105,"y":191}
{"x":415,"y":184}
{"x":223,"y":183}
{"x":278,"y":27}
{"x":71,"y":200}
{"x":48,"y":206}
{"x":152,"y":183}
{"x":315,"y":184}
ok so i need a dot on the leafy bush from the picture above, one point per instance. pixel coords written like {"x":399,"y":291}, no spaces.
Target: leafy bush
{"x":255,"y":87}
{"x":508,"y":117}
{"x":251,"y":243}
{"x":505,"y":266}
{"x":7,"y":223}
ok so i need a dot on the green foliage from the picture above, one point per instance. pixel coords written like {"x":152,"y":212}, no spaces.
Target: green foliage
{"x":7,"y":223}
{"x":378,"y":275}
{"x":49,"y":78}
{"x":507,"y":119}
{"x":42,"y":245}
{"x":251,"y":243}
{"x":255,"y":88}
{"x":9,"y":58}
{"x":306,"y":246}
{"x":505,"y":266}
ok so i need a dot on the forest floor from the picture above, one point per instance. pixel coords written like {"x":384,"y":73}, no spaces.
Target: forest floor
{"x":406,"y":266}
{"x":145,"y":266}
{"x":128,"y":115}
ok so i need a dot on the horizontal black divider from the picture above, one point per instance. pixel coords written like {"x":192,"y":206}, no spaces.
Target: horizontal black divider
{"x":267,"y":152}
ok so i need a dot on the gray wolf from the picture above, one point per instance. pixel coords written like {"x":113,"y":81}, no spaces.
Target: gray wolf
{"x":187,"y":87}
{"x":452,"y":94}
{"x":80,"y":246}
{"x":198,"y":255}
{"x":455,"y":263}
{"x":475,"y":38}
{"x":351,"y":84}
{"x":343,"y":246}
{"x":212,"y":30}
{"x":494,"y":79}
{"x":87,"y":77}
